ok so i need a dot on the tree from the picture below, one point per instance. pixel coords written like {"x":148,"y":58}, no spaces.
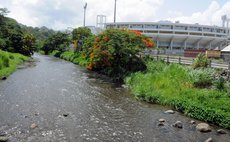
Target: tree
{"x":13,"y":38}
{"x":4,"y":11}
{"x":115,"y":52}
{"x":28,"y":44}
{"x":59,"y":41}
{"x":79,"y":35}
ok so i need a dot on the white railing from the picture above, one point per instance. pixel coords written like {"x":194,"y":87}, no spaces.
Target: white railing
{"x":189,"y":61}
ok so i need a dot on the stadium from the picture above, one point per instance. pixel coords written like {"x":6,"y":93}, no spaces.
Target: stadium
{"x":178,"y":37}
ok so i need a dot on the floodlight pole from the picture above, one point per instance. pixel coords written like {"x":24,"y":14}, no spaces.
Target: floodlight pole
{"x":85,"y":6}
{"x":115,"y":9}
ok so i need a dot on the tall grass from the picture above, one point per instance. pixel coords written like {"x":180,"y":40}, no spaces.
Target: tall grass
{"x":177,"y":86}
{"x":9,"y":61}
{"x":76,"y":58}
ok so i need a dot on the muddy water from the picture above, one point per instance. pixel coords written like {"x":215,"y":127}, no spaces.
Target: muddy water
{"x":69,"y":104}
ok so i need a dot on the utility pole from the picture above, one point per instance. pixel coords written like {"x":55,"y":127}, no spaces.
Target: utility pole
{"x":115,"y":9}
{"x":85,"y":6}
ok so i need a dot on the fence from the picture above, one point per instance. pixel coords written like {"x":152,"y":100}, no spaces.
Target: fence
{"x":189,"y":61}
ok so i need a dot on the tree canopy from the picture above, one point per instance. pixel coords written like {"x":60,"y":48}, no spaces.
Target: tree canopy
{"x":15,"y":37}
{"x":79,"y":35}
{"x":4,"y":11}
{"x":59,"y":41}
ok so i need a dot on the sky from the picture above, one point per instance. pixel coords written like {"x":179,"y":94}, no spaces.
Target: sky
{"x":62,"y":14}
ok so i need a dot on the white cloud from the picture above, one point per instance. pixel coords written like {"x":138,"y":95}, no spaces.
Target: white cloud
{"x":57,"y":14}
{"x":210,"y":16}
{"x":138,"y":10}
{"x":174,"y":13}
{"x":60,"y":14}
{"x":127,"y":10}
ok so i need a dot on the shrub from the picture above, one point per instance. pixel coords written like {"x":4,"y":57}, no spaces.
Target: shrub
{"x":67,"y":55}
{"x":115,"y":52}
{"x":58,"y":41}
{"x":202,"y":78}
{"x":56,"y":53}
{"x":79,"y":35}
{"x":219,"y":83}
{"x":200,"y":61}
{"x":4,"y":60}
{"x":1,"y":64}
{"x":11,"y":57}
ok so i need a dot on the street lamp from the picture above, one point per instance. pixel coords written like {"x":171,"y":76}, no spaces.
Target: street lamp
{"x":115,"y":9}
{"x":85,"y":6}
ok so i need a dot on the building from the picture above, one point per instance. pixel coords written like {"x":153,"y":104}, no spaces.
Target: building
{"x":225,"y":53}
{"x":178,"y":36}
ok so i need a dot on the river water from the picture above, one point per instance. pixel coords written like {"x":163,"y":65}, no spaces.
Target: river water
{"x":70,"y":104}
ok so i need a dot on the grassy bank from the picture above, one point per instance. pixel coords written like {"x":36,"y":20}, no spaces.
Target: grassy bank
{"x":9,"y":61}
{"x":183,"y":89}
{"x":76,"y":58}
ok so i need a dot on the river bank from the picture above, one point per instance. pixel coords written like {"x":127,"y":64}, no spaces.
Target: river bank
{"x":173,"y":85}
{"x":9,"y":62}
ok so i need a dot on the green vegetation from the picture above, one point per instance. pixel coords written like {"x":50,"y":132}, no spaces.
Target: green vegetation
{"x":18,"y":38}
{"x":184,"y":89}
{"x":79,"y":35}
{"x":9,"y":61}
{"x":58,"y":41}
{"x":114,"y":52}
{"x":201,"y":61}
{"x":13,"y":38}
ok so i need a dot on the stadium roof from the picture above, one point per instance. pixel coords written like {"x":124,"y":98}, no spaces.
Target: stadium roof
{"x":226,"y":49}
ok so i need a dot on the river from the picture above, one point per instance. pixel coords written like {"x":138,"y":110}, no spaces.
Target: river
{"x":70,"y":104}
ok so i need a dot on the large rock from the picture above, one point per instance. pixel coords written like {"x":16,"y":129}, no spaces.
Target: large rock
{"x":3,"y":139}
{"x":178,"y":124}
{"x":221,"y":131}
{"x":203,"y":127}
{"x":4,"y":78}
{"x":170,"y":111}
{"x":192,"y":122}
{"x":161,"y":124}
{"x":209,"y":140}
{"x":65,"y":114}
{"x":161,"y":120}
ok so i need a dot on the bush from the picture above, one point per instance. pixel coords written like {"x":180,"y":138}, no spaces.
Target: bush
{"x":200,"y":61}
{"x":79,"y":35}
{"x":115,"y":52}
{"x":56,"y":53}
{"x":202,"y":78}
{"x":59,"y":41}
{"x":219,"y":83}
{"x":4,"y":61}
{"x":67,"y":55}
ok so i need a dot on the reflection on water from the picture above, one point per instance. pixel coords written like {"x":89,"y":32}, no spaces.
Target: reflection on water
{"x":71,"y":104}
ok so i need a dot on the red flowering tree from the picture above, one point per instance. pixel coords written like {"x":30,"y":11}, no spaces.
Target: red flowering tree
{"x":115,"y":52}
